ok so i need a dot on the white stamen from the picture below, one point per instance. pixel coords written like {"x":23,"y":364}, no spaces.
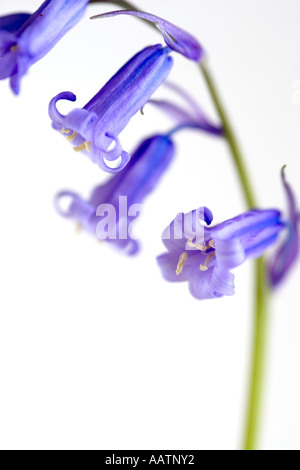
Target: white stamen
{"x":204,"y":267}
{"x":182,"y":260}
{"x":70,"y":138}
{"x":85,"y":146}
{"x":191,"y":244}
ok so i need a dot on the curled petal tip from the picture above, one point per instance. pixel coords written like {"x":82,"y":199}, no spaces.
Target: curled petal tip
{"x":94,"y":129}
{"x":54,"y":114}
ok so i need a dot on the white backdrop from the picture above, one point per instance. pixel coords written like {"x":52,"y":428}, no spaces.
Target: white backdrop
{"x":97,"y":350}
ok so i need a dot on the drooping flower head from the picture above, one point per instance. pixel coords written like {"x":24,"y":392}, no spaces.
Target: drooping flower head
{"x":113,"y":206}
{"x":190,"y":114}
{"x":204,"y":256}
{"x":288,"y":251}
{"x":24,"y":39}
{"x":95,"y":128}
{"x":176,"y":38}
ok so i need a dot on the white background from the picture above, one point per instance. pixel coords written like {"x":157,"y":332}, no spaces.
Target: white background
{"x":97,"y":350}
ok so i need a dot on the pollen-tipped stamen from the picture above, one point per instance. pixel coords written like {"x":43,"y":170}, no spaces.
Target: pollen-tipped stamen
{"x":204,"y":267}
{"x":71,"y":137}
{"x":65,"y":131}
{"x":85,"y":146}
{"x":181,"y":262}
{"x":191,"y":244}
{"x":211,"y":244}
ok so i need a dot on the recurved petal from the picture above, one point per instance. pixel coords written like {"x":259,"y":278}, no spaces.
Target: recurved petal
{"x":187,"y":227}
{"x":76,"y":207}
{"x":175,"y":37}
{"x":103,"y":158}
{"x":55,"y":115}
{"x":222,"y":281}
{"x":213,"y":283}
{"x":288,"y":251}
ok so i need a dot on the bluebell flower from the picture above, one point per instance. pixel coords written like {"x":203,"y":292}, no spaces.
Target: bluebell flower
{"x":190,"y":115}
{"x":176,"y":38}
{"x":25,"y":39}
{"x":94,"y":129}
{"x":113,"y":206}
{"x":288,"y":250}
{"x":204,"y":256}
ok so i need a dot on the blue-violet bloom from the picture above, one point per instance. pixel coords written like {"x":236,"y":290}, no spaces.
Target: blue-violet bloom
{"x":288,"y":251}
{"x":204,"y":256}
{"x":12,"y":23}
{"x":175,"y":37}
{"x":190,"y":113}
{"x":25,"y":39}
{"x":94,"y":129}
{"x":113,"y":206}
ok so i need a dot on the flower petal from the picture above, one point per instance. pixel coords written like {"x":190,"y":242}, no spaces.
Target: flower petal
{"x":12,"y":23}
{"x":95,"y":128}
{"x":229,"y":253}
{"x":82,"y":122}
{"x":54,"y":114}
{"x":48,"y":24}
{"x":222,"y":281}
{"x":187,"y":227}
{"x":211,"y":284}
{"x":176,"y":38}
{"x":252,"y":221}
{"x":183,"y":119}
{"x":36,"y":35}
{"x":134,"y":88}
{"x":168,"y":263}
{"x":288,"y":251}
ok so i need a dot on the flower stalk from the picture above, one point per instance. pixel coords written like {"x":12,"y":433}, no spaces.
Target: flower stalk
{"x":260,"y":273}
{"x":230,"y":136}
{"x":261,"y":283}
{"x":258,"y":357}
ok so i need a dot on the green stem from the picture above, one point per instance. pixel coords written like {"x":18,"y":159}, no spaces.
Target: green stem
{"x":258,"y":358}
{"x":230,"y":136}
{"x":261,"y":286}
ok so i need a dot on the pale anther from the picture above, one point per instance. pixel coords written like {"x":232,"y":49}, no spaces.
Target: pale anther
{"x":203,"y":267}
{"x":191,"y":244}
{"x":65,"y":131}
{"x":212,"y":243}
{"x":182,"y":260}
{"x":85,"y":146}
{"x":71,"y":137}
